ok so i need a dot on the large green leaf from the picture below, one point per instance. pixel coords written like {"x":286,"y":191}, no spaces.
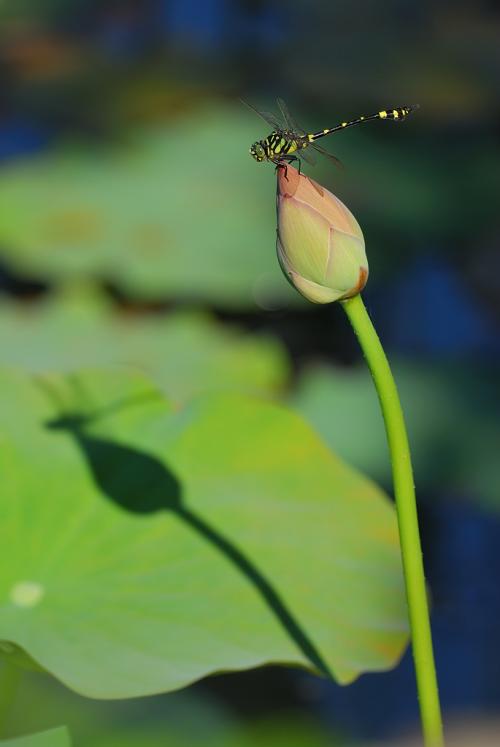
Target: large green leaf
{"x":452,"y":415}
{"x":150,"y":547}
{"x":52,"y":738}
{"x":179,"y":212}
{"x":186,"y":352}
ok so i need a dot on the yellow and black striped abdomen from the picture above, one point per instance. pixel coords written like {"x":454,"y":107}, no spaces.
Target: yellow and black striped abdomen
{"x":397,"y":115}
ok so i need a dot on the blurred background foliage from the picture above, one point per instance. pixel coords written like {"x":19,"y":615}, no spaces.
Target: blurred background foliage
{"x":197,"y":717}
{"x":135,"y":230}
{"x":187,"y":352}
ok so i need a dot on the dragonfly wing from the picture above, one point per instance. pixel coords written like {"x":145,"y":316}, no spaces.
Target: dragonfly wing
{"x":307,"y":156}
{"x":290,"y":122}
{"x":266,"y":116}
{"x":328,"y":155}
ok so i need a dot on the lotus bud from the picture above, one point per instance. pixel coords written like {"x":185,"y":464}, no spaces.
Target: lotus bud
{"x":320,"y":245}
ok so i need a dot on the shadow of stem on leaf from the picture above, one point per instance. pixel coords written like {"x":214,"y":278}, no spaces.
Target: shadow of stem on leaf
{"x":141,"y":484}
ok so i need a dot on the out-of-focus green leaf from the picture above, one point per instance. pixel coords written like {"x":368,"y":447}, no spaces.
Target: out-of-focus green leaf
{"x":181,"y":212}
{"x":149,"y":548}
{"x":52,"y":738}
{"x":191,"y":717}
{"x":452,"y":414}
{"x":186,"y":717}
{"x":186,"y":353}
{"x":290,"y":732}
{"x":343,"y":407}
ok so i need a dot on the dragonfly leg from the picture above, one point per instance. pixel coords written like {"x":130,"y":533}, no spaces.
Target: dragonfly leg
{"x":285,"y":161}
{"x":281,"y":163}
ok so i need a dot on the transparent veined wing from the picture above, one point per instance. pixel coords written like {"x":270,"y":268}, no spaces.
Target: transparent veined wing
{"x":290,"y":122}
{"x":307,"y":156}
{"x":292,"y":125}
{"x":338,"y":163}
{"x":266,"y":116}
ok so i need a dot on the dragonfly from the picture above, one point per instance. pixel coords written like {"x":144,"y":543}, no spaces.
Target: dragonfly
{"x":288,"y":141}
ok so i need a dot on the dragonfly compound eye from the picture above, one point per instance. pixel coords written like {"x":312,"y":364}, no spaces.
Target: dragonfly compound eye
{"x":257,"y":152}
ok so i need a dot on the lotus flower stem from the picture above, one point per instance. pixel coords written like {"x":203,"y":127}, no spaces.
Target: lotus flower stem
{"x":404,"y":490}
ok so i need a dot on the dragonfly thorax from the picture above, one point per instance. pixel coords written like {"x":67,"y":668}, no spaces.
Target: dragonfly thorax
{"x":277,"y":146}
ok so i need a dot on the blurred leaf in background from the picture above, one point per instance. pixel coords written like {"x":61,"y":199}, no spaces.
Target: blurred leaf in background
{"x":54,"y":738}
{"x":190,"y":715}
{"x":193,"y":717}
{"x":158,"y":217}
{"x":452,"y":412}
{"x":186,"y":352}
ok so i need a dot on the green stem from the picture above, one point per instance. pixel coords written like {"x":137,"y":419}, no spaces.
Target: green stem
{"x":9,"y":679}
{"x":404,"y":490}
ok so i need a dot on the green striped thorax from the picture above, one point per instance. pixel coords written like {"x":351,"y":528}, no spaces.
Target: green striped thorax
{"x":276,"y":145}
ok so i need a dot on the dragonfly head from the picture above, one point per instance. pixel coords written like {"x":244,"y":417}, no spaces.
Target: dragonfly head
{"x":258,"y":152}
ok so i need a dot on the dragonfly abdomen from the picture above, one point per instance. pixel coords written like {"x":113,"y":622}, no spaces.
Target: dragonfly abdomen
{"x":398,"y":115}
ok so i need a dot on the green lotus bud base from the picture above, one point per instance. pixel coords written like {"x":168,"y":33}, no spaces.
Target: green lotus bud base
{"x":404,"y":491}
